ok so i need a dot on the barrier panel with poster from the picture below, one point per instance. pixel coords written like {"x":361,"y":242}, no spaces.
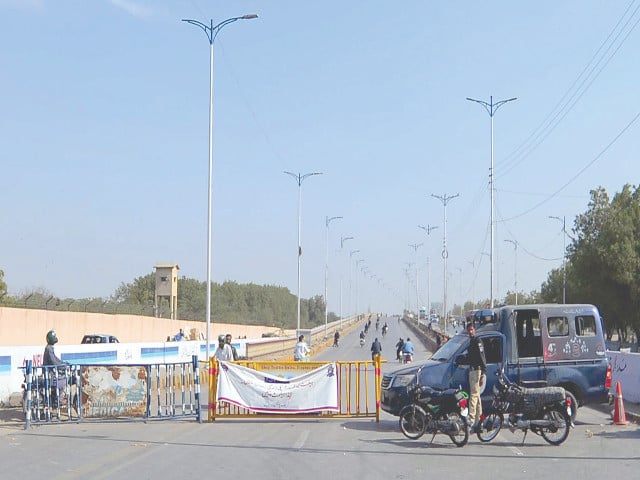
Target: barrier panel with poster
{"x":73,"y":393}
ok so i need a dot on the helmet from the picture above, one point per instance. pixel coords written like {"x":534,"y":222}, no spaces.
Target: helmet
{"x":221,"y":339}
{"x":52,"y":337}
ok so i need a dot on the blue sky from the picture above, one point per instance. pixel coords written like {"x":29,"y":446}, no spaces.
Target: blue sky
{"x":104,"y":140}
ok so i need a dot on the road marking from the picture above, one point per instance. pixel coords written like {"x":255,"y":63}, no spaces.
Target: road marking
{"x":517,"y":451}
{"x":299,"y":443}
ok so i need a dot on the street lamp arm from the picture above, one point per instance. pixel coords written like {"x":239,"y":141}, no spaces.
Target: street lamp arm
{"x":483,"y":103}
{"x":331,"y":219}
{"x":300,"y":177}
{"x":212,"y":31}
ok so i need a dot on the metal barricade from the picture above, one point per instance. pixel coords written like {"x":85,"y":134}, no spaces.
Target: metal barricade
{"x":359,"y":389}
{"x":66,"y":393}
{"x":50,"y":393}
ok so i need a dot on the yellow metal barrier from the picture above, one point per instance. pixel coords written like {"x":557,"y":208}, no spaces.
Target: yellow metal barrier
{"x":359,"y":389}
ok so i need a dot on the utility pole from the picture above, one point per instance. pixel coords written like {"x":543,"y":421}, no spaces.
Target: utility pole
{"x":415,"y":247}
{"x":428,"y":229}
{"x":445,"y":199}
{"x":515,"y":275}
{"x":491,"y":109}
{"x":342,"y":240}
{"x":328,"y":220}
{"x":564,"y":257}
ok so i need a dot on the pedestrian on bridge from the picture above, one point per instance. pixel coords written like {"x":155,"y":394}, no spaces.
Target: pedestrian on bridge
{"x":301,"y":350}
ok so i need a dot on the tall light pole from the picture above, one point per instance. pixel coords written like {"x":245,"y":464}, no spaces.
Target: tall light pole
{"x":428,"y":229}
{"x":415,"y":247}
{"x":299,"y":178}
{"x":328,"y":220}
{"x":351,"y":254}
{"x":445,"y":199}
{"x":491,"y":109}
{"x":515,"y":263}
{"x":473,"y":282}
{"x":342,"y":240}
{"x":461,"y":292}
{"x":211,"y":32}
{"x":358,"y":262}
{"x":564,"y":257}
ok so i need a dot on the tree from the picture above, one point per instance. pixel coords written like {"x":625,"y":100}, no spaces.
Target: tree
{"x":605,"y":258}
{"x":3,"y":286}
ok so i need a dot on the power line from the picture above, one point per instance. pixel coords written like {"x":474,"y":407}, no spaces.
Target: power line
{"x":552,"y":120}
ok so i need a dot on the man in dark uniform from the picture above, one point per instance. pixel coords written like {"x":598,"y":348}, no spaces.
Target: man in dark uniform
{"x":477,"y":376}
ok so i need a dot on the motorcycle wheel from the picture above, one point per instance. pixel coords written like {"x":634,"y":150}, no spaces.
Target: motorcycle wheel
{"x":413,"y":422}
{"x":491,"y":427}
{"x":462,"y":437}
{"x":558,"y":432}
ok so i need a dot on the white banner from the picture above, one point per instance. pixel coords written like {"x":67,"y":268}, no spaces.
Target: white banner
{"x":312,"y":391}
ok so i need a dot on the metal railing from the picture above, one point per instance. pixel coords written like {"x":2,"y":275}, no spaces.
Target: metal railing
{"x":75,"y":393}
{"x":359,"y":390}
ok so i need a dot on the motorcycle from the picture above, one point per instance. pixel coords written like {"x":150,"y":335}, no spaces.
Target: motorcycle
{"x":362,"y":342}
{"x":546,"y":411}
{"x":436,"y":411}
{"x":407,"y":357}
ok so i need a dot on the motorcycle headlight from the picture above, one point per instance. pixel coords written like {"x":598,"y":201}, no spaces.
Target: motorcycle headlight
{"x":403,"y":380}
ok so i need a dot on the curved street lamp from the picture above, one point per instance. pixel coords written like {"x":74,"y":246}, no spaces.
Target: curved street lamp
{"x":299,"y":178}
{"x":211,"y":32}
{"x":328,"y":220}
{"x":491,"y":109}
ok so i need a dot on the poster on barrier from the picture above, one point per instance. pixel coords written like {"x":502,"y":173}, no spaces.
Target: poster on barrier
{"x":313,"y":391}
{"x":114,"y":391}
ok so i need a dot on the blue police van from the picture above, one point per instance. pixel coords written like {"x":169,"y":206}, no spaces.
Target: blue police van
{"x":538,"y":345}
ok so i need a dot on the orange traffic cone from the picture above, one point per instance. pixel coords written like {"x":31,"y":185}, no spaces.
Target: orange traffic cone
{"x":619,"y":417}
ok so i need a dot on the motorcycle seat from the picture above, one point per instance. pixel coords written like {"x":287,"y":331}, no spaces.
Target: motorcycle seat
{"x":545,"y":394}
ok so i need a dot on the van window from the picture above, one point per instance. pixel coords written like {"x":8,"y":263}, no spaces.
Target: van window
{"x":529,"y":339}
{"x":558,"y":326}
{"x":492,"y":349}
{"x":586,"y":326}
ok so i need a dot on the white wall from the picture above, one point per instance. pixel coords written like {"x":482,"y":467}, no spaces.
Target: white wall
{"x":13,"y":358}
{"x":625,"y":368}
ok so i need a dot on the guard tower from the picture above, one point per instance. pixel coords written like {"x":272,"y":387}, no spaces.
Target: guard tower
{"x":167,"y":287}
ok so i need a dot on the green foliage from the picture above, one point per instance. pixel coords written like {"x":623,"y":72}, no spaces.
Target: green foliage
{"x":3,"y":285}
{"x":603,"y":265}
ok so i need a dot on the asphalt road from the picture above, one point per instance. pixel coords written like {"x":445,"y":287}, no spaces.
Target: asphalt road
{"x":312,"y":449}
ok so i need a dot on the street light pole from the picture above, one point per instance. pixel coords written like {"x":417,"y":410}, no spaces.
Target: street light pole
{"x":299,"y":178}
{"x":491,"y":109}
{"x":515,"y":275}
{"x":358,"y":262}
{"x":351,"y":254}
{"x":564,"y":257}
{"x":342,"y":240}
{"x":328,"y":220}
{"x":211,"y":32}
{"x":428,"y":229}
{"x":445,"y":199}
{"x":415,"y":247}
{"x":473,"y":283}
